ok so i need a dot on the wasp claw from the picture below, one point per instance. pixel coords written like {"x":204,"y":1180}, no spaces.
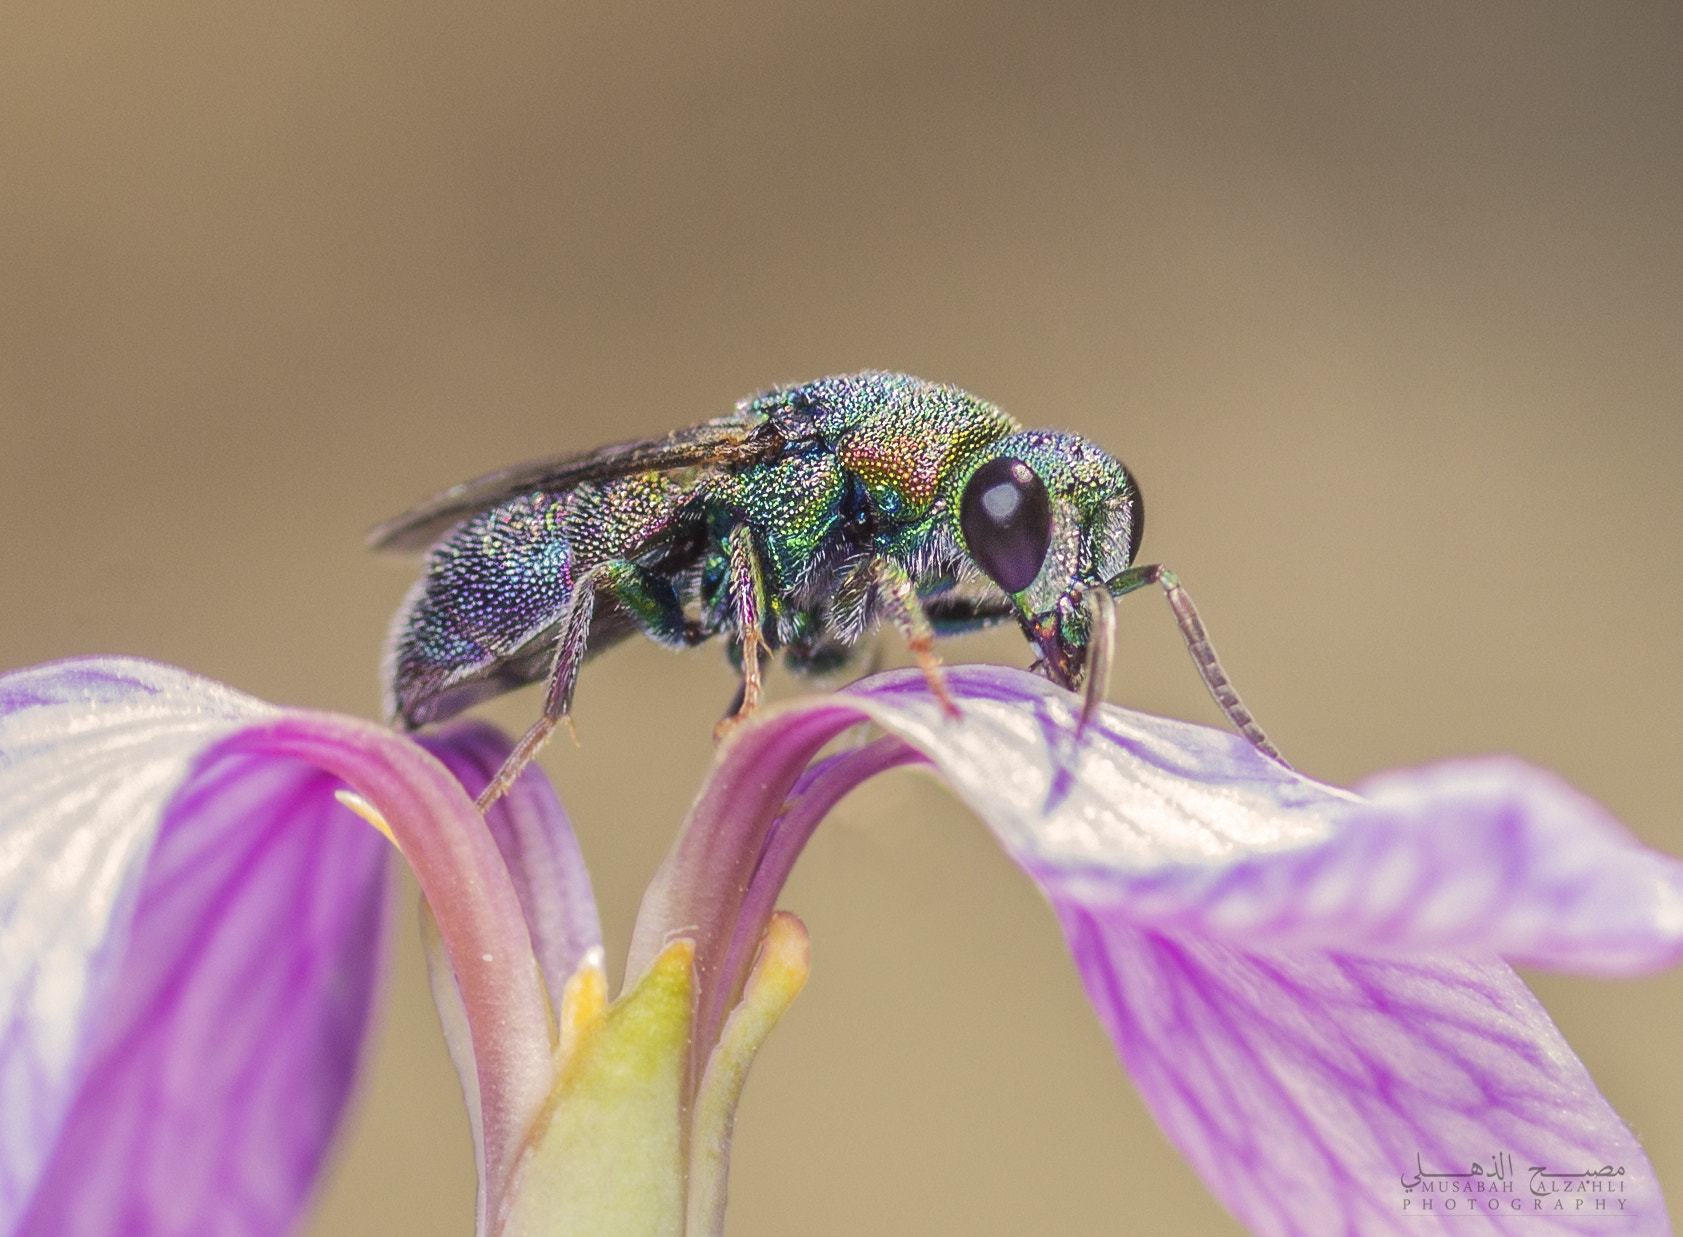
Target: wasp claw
{"x":932,"y":674}
{"x":730,"y":721}
{"x":518,"y":759}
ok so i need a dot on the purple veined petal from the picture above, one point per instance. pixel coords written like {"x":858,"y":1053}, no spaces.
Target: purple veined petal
{"x":700,"y":888}
{"x":1326,"y":1093}
{"x":538,"y":847}
{"x":1518,"y":859}
{"x":190,"y":926}
{"x":224,"y":1054}
{"x":537,"y":844}
{"x":1185,"y":829}
{"x":1300,"y":1068}
{"x":481,"y":925}
{"x":1239,"y":934}
{"x":1487,"y":856}
{"x":1140,"y":793}
{"x":90,"y":753}
{"x":1008,"y":758}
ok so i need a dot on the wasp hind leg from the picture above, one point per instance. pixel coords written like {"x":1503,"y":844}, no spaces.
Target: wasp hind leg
{"x":650,"y":601}
{"x":747,"y":587}
{"x":1203,"y":653}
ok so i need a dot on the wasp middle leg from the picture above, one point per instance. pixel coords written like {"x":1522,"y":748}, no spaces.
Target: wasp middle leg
{"x":895,"y":593}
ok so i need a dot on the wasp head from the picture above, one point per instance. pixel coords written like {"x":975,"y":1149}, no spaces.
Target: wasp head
{"x":1048,"y":517}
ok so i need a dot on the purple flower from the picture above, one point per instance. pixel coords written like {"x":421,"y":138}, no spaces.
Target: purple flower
{"x":1306,"y":984}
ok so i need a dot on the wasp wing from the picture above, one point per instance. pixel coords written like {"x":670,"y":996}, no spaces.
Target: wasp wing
{"x":726,"y":444}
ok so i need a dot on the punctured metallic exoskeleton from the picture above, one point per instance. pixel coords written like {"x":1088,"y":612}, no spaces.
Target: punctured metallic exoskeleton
{"x":793,"y":524}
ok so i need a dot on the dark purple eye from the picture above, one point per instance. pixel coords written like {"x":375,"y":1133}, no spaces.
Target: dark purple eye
{"x":1006,"y":519}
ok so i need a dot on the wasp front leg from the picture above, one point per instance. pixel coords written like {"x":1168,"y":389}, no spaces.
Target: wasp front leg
{"x":647,"y":598}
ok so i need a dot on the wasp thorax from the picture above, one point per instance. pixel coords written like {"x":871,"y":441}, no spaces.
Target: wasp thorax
{"x":1006,"y":518}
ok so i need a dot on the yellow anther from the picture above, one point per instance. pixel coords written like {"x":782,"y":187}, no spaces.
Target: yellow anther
{"x":584,"y":1005}
{"x":363,"y":808}
{"x":606,"y":1156}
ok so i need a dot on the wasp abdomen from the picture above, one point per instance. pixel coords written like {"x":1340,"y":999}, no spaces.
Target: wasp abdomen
{"x":491,"y":591}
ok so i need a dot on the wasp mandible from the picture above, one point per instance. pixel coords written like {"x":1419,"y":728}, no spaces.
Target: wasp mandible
{"x":794,"y":524}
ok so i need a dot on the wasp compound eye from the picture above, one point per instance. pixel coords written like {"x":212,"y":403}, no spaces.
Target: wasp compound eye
{"x":1006,"y":519}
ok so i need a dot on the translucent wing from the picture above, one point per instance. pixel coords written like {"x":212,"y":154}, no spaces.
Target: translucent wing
{"x":725,"y":443}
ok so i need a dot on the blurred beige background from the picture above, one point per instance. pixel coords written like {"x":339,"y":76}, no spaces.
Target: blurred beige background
{"x":1382,"y":304}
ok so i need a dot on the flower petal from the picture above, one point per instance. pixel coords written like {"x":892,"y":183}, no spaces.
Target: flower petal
{"x":480,"y":923}
{"x":538,"y":847}
{"x":537,"y":844}
{"x":90,"y":753}
{"x":1301,"y":1078}
{"x":1139,"y":793}
{"x":226,"y":1050}
{"x":1181,"y":828}
{"x":1310,"y":1088}
{"x":700,"y":888}
{"x":1306,"y":980}
{"x":189,"y":925}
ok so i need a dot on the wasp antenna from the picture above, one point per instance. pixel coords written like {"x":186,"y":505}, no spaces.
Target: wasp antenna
{"x":1101,"y":649}
{"x":1209,"y":666}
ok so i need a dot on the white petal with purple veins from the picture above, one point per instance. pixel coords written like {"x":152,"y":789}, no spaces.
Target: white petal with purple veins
{"x":90,"y":754}
{"x":190,"y":943}
{"x":1305,"y":982}
{"x":1306,"y":1086}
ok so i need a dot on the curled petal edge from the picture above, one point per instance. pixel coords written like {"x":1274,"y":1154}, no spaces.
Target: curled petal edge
{"x":1176,"y":828}
{"x":1190,"y":874}
{"x":96,"y":754}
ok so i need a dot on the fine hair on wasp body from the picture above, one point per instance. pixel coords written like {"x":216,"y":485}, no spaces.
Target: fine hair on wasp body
{"x":793,"y":525}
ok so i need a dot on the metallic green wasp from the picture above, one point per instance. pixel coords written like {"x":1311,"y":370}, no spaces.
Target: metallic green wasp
{"x":793,"y":524}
